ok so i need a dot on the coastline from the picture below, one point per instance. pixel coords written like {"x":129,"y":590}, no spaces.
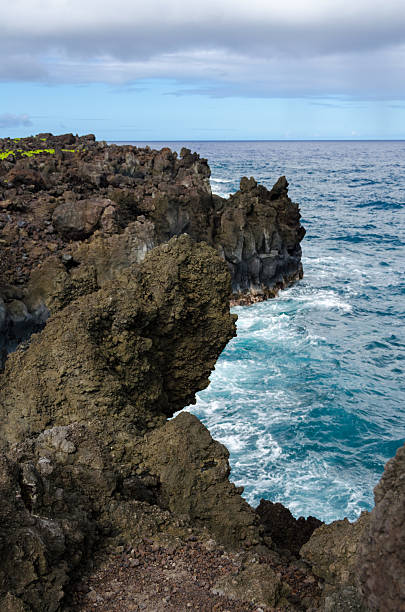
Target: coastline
{"x":138,"y":319}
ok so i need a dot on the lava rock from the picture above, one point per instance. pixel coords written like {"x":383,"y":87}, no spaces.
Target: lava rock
{"x":381,"y":562}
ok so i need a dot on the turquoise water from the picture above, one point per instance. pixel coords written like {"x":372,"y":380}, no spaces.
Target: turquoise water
{"x":309,"y":398}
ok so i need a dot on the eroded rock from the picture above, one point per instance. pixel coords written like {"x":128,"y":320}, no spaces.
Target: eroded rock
{"x":285,"y":531}
{"x":332,"y":552}
{"x":56,"y":192}
{"x":76,"y":403}
{"x":193,"y":470}
{"x":104,"y":358}
{"x":79,"y":219}
{"x":381,"y":563}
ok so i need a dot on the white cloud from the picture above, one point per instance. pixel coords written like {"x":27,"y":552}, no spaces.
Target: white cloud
{"x":235,"y":47}
{"x":9,"y":120}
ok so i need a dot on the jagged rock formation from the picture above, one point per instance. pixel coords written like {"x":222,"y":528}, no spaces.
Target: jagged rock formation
{"x":57,"y":191}
{"x":104,"y":357}
{"x":193,"y":472}
{"x":332,"y":552}
{"x":363,"y":563}
{"x":381,"y":563}
{"x":282,"y":529}
{"x":87,"y":452}
{"x":76,"y":404}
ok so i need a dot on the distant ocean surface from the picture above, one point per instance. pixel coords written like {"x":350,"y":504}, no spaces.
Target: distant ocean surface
{"x":310,"y":396}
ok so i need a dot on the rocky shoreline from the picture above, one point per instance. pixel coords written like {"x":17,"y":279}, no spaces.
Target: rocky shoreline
{"x":58,"y":192}
{"x":117,"y":269}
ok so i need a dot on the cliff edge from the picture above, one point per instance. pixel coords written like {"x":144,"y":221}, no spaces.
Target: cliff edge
{"x":59,"y":195}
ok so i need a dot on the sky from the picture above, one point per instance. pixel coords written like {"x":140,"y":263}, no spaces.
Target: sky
{"x":211,"y":70}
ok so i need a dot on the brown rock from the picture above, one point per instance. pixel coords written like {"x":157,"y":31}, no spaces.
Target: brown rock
{"x":283,"y":529}
{"x":381,"y":563}
{"x":111,"y":348}
{"x":193,"y":471}
{"x":77,"y":220}
{"x":332,"y":553}
{"x":255,"y":583}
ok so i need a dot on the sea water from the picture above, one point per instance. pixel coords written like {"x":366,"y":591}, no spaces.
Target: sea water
{"x":309,"y":398}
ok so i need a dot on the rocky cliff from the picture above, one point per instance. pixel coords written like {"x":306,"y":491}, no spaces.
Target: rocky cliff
{"x":127,"y":333}
{"x":89,"y":462}
{"x":84,"y":432}
{"x":60,"y":193}
{"x":362,"y":564}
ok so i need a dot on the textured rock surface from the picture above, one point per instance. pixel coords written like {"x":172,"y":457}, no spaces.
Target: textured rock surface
{"x":193,"y":472}
{"x":381,"y":562}
{"x":32,"y":567}
{"x":254,"y":583}
{"x":104,"y":358}
{"x":56,"y":191}
{"x":76,"y":403}
{"x":283,"y":529}
{"x":332,"y":552}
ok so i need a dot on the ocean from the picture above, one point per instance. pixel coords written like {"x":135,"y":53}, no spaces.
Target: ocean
{"x":309,"y":398}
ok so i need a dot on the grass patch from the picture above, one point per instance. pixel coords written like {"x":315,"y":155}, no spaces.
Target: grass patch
{"x":6,"y":154}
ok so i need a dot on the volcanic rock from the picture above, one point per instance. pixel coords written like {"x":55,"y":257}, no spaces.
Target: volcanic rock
{"x":78,"y":220}
{"x":58,"y":191}
{"x":285,"y":531}
{"x":193,"y":472}
{"x":332,"y":552}
{"x":381,"y":562}
{"x":104,"y":358}
{"x":76,"y":405}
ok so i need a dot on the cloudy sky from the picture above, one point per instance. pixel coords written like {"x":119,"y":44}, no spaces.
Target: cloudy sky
{"x":217,"y":69}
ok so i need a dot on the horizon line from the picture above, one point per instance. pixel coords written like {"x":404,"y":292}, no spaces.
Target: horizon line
{"x":261,"y":140}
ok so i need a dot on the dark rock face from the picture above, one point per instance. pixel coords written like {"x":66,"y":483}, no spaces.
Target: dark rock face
{"x":104,"y":357}
{"x":381,"y":564}
{"x":79,"y":219}
{"x":259,"y":234}
{"x":87,"y":449}
{"x":193,"y":472}
{"x":283,"y":529}
{"x":332,"y":553}
{"x":46,"y":516}
{"x":56,"y":191}
{"x":363,"y":563}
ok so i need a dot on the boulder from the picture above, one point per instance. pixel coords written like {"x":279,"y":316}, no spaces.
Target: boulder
{"x":285,"y":531}
{"x":193,"y":474}
{"x":77,"y":220}
{"x":255,"y":583}
{"x":332,"y":552}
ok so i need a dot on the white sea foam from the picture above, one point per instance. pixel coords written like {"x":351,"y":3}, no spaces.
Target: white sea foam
{"x":286,"y":393}
{"x":222,"y":194}
{"x":220,"y":180}
{"x":325,"y":299}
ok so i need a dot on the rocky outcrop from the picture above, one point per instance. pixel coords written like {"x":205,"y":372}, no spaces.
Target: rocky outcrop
{"x":332,"y":553}
{"x":255,"y":583}
{"x":381,"y":562}
{"x":104,"y":357}
{"x":193,"y":472}
{"x":86,"y":447}
{"x":259,"y":234}
{"x":47,"y":487}
{"x":59,"y":194}
{"x":363,"y":563}
{"x":282,"y":529}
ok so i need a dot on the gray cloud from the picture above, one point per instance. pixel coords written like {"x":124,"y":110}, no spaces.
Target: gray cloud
{"x":8,"y":120}
{"x":228,"y":48}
